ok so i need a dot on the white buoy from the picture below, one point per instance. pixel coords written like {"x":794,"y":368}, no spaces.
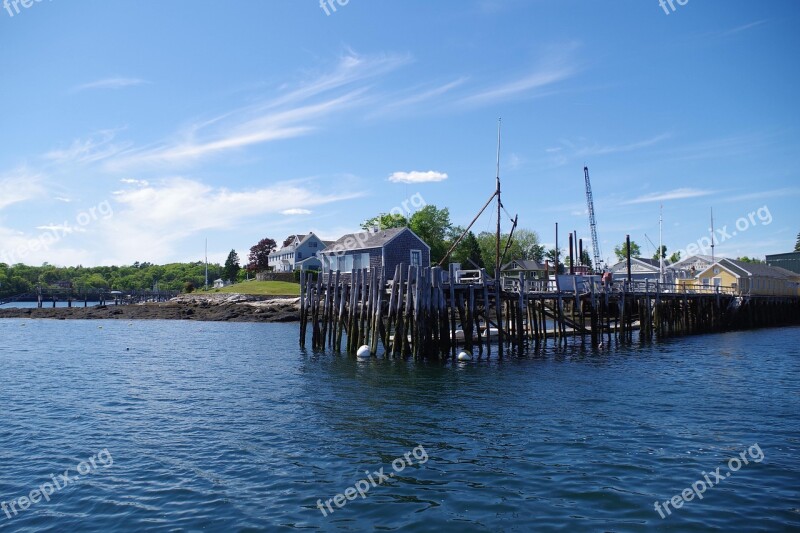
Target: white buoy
{"x":464,"y":356}
{"x":363,"y":352}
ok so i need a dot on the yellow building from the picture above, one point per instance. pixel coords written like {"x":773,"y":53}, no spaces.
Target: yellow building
{"x":731,"y":276}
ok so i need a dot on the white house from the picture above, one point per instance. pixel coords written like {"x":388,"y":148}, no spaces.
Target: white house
{"x":299,"y":252}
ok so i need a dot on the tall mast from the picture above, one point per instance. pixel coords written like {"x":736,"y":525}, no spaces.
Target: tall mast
{"x":499,"y":204}
{"x":661,"y":244}
{"x":206,"y":263}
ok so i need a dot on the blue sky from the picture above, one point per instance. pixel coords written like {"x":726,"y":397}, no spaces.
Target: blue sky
{"x":133,"y":131}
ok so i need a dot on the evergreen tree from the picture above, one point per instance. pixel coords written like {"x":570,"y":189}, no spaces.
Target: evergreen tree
{"x":467,"y":249}
{"x":231,"y":269}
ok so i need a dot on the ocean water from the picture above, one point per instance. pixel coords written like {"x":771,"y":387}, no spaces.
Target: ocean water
{"x":190,"y":426}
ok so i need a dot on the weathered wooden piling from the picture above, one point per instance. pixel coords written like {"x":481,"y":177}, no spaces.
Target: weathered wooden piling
{"x":429,"y":313}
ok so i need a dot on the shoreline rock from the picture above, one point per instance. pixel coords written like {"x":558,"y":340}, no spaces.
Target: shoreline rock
{"x":212,"y":308}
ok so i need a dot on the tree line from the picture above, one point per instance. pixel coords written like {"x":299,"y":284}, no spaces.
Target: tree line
{"x":23,"y":279}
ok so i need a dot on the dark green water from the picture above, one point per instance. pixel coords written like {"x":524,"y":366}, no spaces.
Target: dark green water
{"x":230,"y":427}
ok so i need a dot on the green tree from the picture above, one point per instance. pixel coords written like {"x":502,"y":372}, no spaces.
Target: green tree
{"x":550,"y":255}
{"x":433,"y":226}
{"x":527,"y":246}
{"x":745,"y":259}
{"x":797,"y":244}
{"x":467,"y":249}
{"x":621,"y":251}
{"x":663,"y":252}
{"x":259,"y":254}
{"x":96,"y":281}
{"x":585,"y":259}
{"x":384,"y":221}
{"x":231,"y":269}
{"x":674,"y":258}
{"x":524,"y":245}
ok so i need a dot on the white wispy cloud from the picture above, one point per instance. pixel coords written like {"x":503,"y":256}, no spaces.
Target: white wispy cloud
{"x":580,"y":149}
{"x":417,"y":177}
{"x":297,"y":112}
{"x":420,"y":97}
{"x":96,"y":147}
{"x":740,"y":29}
{"x":760,"y":195}
{"x":111,"y":83}
{"x":132,"y":181}
{"x":526,"y":86}
{"x":675,"y":194}
{"x":732,"y":146}
{"x":296,"y":211}
{"x":20,"y":185}
{"x":61,"y":229}
{"x":152,"y":221}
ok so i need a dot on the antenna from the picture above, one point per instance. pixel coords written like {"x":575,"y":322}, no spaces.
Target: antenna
{"x":713,"y":257}
{"x":206,"y":263}
{"x":499,"y":204}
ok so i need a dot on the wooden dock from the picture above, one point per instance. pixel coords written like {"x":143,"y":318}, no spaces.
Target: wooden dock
{"x":46,"y":296}
{"x":425,"y":312}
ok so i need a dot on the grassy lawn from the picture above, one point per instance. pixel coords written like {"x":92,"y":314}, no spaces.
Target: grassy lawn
{"x":268,"y":288}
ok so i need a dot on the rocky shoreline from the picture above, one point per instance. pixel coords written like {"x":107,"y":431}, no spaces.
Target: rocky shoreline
{"x":212,"y":307}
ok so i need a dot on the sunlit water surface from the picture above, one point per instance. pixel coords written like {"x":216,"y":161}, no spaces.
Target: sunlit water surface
{"x":231,"y":427}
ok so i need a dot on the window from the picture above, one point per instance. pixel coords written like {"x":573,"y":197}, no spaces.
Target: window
{"x":299,"y":255}
{"x":416,"y":257}
{"x":312,"y":244}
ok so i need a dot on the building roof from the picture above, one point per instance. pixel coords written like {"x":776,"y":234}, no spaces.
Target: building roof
{"x":742,"y":269}
{"x":652,"y":263}
{"x":691,"y":259}
{"x":522,"y":264}
{"x":367,"y":240}
{"x":787,"y":255}
{"x":297,"y":240}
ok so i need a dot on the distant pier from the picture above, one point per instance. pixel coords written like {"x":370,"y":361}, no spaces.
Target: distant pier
{"x":430,"y":312}
{"x":45,"y":296}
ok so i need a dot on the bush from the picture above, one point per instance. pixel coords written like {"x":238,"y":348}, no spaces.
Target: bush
{"x":188,"y":287}
{"x":298,"y":274}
